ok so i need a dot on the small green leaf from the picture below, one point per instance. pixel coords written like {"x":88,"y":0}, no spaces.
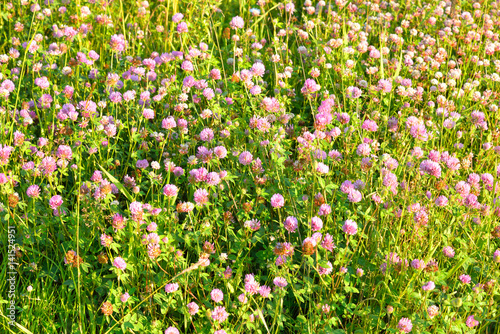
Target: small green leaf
{"x":117,"y":184}
{"x":321,"y":183}
{"x":302,"y":319}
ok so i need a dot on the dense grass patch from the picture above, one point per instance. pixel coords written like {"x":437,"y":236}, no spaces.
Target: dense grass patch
{"x":249,"y":167}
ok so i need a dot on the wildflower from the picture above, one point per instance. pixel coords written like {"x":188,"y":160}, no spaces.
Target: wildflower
{"x":326,"y":271}
{"x":353,"y":92}
{"x":215,"y":74}
{"x":106,"y":240}
{"x":431,"y":266}
{"x":322,"y":168}
{"x":363,"y":150}
{"x":55,"y":202}
{"x":354,"y":196}
{"x":327,"y":243}
{"x":193,"y":308}
{"x":148,"y":113}
{"x":471,"y":322}
{"x":124,"y":297}
{"x":255,"y":90}
{"x":170,"y":190}
{"x":350,"y":227}
{"x":42,"y":82}
{"x":208,"y":247}
{"x":316,"y":224}
{"x":419,"y":132}
{"x":182,"y":27}
{"x":118,"y":43}
{"x":171,"y":287}
{"x":369,"y":125}
{"x":208,"y":93}
{"x":384,"y":86}
{"x":496,"y":256}
{"x":119,"y":263}
{"x":264,"y":291}
{"x":251,"y":286}
{"x":280,"y":282}
{"x":33,"y":191}
{"x":324,"y":210}
{"x":432,"y":311}
{"x":228,"y":272}
{"x":201,"y":197}
{"x":245,"y":158}
{"x":217,"y":295}
{"x":237,"y":23}
{"x":176,"y":18}
{"x":5,"y":152}
{"x":242,"y":298}
{"x":291,"y":224}
{"x":48,"y":166}
{"x":441,"y":201}
{"x":428,"y":286}
{"x":168,"y":123}
{"x":107,"y":308}
{"x":219,"y":314}
{"x":310,"y":87}
{"x":187,"y":66}
{"x":405,"y":325}
{"x":142,"y":164}
{"x":309,"y":246}
{"x":430,"y":167}
{"x":448,"y":251}
{"x":253,"y":224}
{"x":258,"y":69}
{"x":172,"y":330}
{"x":465,"y":279}
{"x":277,"y":201}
